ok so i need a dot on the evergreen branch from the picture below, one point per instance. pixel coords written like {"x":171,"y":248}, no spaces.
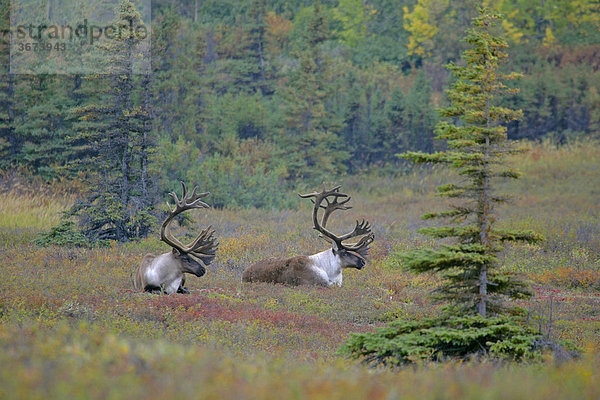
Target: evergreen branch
{"x":447,"y":258}
{"x":528,"y":236}
{"x":468,"y":233}
{"x":458,"y":212}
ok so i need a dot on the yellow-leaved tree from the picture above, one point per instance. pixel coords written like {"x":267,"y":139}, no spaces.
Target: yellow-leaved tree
{"x":421,"y":24}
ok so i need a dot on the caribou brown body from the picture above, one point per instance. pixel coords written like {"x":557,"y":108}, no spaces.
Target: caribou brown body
{"x":324,"y":268}
{"x":165,"y":273}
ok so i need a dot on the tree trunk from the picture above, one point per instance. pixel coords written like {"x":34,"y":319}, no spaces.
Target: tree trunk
{"x":484,"y":223}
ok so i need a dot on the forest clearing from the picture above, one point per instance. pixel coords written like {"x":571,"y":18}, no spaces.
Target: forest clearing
{"x":71,"y":325}
{"x":456,"y":144}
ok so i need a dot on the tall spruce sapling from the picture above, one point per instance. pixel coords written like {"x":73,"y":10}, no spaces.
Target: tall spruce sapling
{"x":474,"y":287}
{"x":477,"y":145}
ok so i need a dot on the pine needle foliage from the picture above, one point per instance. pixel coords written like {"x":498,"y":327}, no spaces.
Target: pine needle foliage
{"x":63,"y":234}
{"x":476,"y":146}
{"x":474,"y":289}
{"x":437,"y":339}
{"x":10,"y":143}
{"x":114,"y":143}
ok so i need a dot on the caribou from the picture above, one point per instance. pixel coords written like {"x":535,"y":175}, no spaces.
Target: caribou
{"x":324,"y":268}
{"x":164,"y":273}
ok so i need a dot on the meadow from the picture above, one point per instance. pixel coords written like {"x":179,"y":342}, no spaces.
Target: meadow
{"x":71,"y":326}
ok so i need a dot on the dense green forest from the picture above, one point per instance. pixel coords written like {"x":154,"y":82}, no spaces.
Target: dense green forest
{"x":252,"y":98}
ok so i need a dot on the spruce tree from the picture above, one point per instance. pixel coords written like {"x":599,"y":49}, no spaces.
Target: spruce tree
{"x":310,"y":138}
{"x":397,"y":124}
{"x":355,"y":132}
{"x":165,"y":49}
{"x":45,"y":125}
{"x":114,"y":143}
{"x":473,"y":286}
{"x":477,"y":144}
{"x":420,"y":117}
{"x":10,"y":144}
{"x":257,"y":37}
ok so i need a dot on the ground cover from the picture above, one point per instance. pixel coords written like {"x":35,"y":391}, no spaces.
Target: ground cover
{"x":71,"y":325}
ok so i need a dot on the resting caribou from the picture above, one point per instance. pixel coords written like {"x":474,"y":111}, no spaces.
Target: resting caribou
{"x":164,"y":273}
{"x":324,"y":268}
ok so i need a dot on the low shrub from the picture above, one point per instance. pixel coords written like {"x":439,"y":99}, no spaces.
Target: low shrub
{"x":404,"y":342}
{"x":63,"y":234}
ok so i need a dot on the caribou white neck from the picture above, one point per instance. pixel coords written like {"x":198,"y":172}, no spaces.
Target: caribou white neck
{"x":328,"y":265}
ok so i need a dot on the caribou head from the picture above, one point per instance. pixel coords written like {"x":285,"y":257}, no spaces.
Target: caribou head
{"x":324,"y":268}
{"x":164,"y":273}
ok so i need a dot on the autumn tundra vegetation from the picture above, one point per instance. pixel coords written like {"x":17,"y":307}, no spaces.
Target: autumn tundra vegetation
{"x":72,"y":326}
{"x":255,"y":101}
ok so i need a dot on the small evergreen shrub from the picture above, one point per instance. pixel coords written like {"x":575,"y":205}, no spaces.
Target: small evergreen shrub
{"x":404,"y":342}
{"x":63,"y":234}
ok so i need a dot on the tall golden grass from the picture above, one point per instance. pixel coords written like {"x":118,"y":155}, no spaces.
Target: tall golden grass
{"x":32,"y":211}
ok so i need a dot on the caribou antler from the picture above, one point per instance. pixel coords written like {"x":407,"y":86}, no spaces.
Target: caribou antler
{"x":205,"y":245}
{"x":332,"y":198}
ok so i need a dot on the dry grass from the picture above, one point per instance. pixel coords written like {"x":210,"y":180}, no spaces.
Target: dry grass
{"x":31,"y":211}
